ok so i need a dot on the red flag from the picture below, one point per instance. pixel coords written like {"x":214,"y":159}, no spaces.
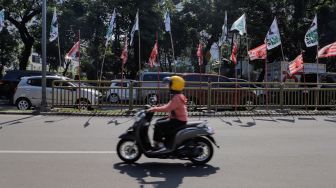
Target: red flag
{"x":200,"y":54}
{"x":153,"y":55}
{"x":124,"y":53}
{"x":296,"y":65}
{"x":234,"y":53}
{"x":258,"y":52}
{"x":328,"y":51}
{"x":74,"y":52}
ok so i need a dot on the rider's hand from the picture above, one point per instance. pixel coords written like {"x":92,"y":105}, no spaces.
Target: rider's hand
{"x":151,"y":110}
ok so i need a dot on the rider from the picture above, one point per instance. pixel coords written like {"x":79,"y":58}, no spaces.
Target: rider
{"x":178,"y":115}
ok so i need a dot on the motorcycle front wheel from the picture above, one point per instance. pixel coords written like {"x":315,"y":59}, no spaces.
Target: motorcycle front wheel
{"x":128,"y":151}
{"x":206,"y":152}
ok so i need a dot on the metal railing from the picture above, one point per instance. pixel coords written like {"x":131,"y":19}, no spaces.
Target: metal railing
{"x":126,"y":95}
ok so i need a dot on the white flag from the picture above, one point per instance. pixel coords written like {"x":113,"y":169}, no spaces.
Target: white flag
{"x":2,"y":19}
{"x":110,"y":28}
{"x":273,"y":36}
{"x":240,"y":25}
{"x":60,"y":1}
{"x":311,"y":37}
{"x":54,"y":27}
{"x":224,"y":31}
{"x":167,"y":21}
{"x":135,"y":27}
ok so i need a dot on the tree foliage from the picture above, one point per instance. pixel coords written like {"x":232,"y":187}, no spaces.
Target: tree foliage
{"x":188,"y":27}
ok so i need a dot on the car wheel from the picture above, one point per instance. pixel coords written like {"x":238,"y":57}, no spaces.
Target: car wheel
{"x":113,"y":98}
{"x":83,"y":104}
{"x":191,"y":104}
{"x":333,"y":103}
{"x":249,"y":104}
{"x":152,"y":99}
{"x":23,"y":104}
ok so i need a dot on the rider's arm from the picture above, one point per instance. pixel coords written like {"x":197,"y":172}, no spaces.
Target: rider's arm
{"x":170,"y":106}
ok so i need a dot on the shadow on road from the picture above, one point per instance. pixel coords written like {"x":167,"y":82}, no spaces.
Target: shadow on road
{"x":171,"y":173}
{"x":21,"y":120}
{"x":330,"y":120}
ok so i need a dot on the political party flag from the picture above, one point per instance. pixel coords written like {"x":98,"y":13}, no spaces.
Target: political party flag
{"x":234,"y":53}
{"x":327,"y":51}
{"x":200,"y":54}
{"x":135,"y":27}
{"x":311,"y":37}
{"x":153,"y":55}
{"x":109,"y":32}
{"x":222,"y":39}
{"x":73,"y":53}
{"x":273,"y":36}
{"x":54,"y":27}
{"x":296,"y":65}
{"x":240,"y":25}
{"x":259,"y":52}
{"x":167,"y":21}
{"x":124,"y":53}
{"x":2,"y":19}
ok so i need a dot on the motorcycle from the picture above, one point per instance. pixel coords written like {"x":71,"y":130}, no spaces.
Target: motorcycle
{"x":193,"y":142}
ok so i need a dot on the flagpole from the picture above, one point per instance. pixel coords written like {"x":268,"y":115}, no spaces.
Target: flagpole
{"x":101,"y":68}
{"x":172,"y":44}
{"x":59,"y":52}
{"x":220,"y":60}
{"x":266,"y":80}
{"x":79,"y":71}
{"x":139,"y":42}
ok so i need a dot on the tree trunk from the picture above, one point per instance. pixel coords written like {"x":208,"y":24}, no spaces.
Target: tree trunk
{"x":25,"y":54}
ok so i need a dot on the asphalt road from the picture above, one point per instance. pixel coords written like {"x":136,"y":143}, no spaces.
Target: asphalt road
{"x":260,"y":152}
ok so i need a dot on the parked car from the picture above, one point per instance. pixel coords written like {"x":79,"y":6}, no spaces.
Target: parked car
{"x":223,"y":92}
{"x":152,"y":89}
{"x":65,"y":93}
{"x":11,"y":79}
{"x":119,"y":91}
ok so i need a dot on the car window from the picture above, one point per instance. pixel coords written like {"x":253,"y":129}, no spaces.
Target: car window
{"x":35,"y":82}
{"x":196,"y":78}
{"x":124,"y":84}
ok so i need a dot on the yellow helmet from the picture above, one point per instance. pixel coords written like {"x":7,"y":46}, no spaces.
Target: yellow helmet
{"x":176,"y":83}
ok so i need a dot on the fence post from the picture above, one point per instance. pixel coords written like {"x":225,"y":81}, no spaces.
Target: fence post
{"x":130,"y":107}
{"x":209,"y":97}
{"x":281,"y":100}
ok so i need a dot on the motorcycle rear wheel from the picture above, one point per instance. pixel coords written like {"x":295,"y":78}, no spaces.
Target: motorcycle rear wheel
{"x":128,"y":151}
{"x":206,"y":154}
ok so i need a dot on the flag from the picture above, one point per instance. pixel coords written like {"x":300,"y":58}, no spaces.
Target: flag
{"x":273,"y":36}
{"x":222,"y":39}
{"x":135,"y":27}
{"x":328,"y":51}
{"x":109,"y":32}
{"x":167,"y":21}
{"x":153,"y":55}
{"x":240,"y":25}
{"x":311,"y":37}
{"x":259,"y":52}
{"x":200,"y":54}
{"x":54,"y":27}
{"x":73,"y":53}
{"x":124,"y":53}
{"x":234,"y":53}
{"x":296,"y":65}
{"x":2,"y":19}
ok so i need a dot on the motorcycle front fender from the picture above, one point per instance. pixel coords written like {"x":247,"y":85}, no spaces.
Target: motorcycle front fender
{"x":128,"y":135}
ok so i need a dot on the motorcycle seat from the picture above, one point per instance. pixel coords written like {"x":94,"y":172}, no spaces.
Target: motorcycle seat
{"x":193,"y":123}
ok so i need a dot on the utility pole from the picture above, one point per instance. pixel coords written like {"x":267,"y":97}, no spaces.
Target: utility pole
{"x":44,"y":55}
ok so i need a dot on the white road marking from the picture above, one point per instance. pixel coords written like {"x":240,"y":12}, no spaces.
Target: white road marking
{"x":54,"y":152}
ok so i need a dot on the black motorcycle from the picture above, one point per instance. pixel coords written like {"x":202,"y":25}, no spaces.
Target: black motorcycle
{"x":193,"y":142}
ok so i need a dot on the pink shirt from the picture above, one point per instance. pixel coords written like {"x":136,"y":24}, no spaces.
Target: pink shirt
{"x":178,"y":104}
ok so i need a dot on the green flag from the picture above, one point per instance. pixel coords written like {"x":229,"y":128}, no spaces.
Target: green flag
{"x":311,"y":37}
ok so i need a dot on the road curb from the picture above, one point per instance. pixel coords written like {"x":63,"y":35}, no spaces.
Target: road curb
{"x":191,"y":114}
